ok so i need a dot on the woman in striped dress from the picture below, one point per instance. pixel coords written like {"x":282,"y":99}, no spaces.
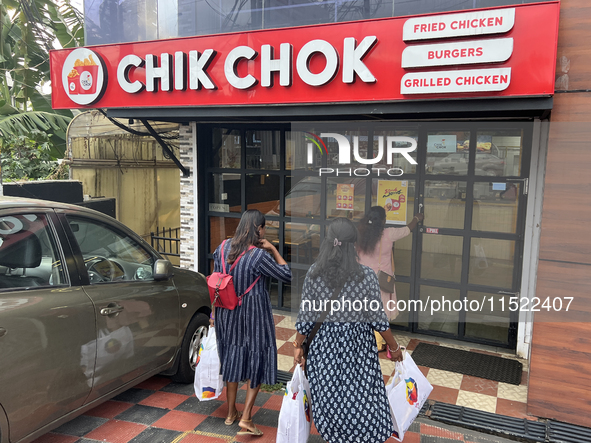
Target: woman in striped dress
{"x":246,"y":335}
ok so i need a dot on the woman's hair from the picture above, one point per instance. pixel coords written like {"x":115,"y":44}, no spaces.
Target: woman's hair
{"x":337,"y":259}
{"x":247,"y":233}
{"x":371,"y":228}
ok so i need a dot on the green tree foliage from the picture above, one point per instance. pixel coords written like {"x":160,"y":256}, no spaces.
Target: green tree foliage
{"x":28,"y":157}
{"x":29,"y":29}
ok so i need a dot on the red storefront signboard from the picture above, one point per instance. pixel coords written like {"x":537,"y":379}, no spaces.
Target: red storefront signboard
{"x":501,"y":52}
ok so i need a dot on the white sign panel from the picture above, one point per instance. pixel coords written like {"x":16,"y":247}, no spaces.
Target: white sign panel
{"x":441,"y":143}
{"x":495,"y":21}
{"x":443,"y":82}
{"x":458,"y":53}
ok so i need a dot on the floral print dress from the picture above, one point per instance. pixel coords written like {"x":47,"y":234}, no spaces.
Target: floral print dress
{"x":349,"y":401}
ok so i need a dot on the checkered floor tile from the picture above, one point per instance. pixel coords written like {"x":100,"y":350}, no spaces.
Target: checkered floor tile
{"x":158,"y":410}
{"x":448,"y":387}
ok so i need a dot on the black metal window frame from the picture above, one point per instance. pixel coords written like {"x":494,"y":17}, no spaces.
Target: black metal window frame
{"x":419,"y":177}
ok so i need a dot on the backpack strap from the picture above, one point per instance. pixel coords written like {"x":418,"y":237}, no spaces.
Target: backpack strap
{"x":239,"y":257}
{"x":253,"y":283}
{"x":223,"y":261}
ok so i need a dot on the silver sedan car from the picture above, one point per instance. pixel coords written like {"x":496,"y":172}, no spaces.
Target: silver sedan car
{"x":87,"y":310}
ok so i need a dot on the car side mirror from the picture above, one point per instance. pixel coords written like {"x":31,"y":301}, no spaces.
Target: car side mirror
{"x":163,"y":270}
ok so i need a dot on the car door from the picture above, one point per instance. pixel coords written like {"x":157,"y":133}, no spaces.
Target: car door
{"x":137,"y":318}
{"x":45,"y":320}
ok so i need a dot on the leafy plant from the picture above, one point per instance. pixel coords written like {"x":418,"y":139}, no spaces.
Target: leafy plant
{"x":29,"y":158}
{"x":28,"y":31}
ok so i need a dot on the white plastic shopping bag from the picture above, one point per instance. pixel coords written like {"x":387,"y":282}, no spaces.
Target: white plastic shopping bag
{"x":208,"y":381}
{"x":407,"y":393}
{"x":294,"y":416}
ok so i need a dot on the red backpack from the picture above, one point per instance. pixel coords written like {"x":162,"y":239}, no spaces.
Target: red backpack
{"x":221,"y":285}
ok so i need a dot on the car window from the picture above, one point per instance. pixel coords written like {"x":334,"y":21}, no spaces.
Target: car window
{"x":29,"y":256}
{"x":109,"y":255}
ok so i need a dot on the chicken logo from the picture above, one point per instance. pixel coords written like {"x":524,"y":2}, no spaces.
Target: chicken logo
{"x":84,"y":76}
{"x":412,"y":391}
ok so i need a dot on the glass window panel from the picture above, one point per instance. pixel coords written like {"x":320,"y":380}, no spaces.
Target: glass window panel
{"x":263,"y":192}
{"x":402,"y":292}
{"x":445,"y":319}
{"x":402,"y":247}
{"x":302,"y":243}
{"x":292,"y":292}
{"x":447,"y":152}
{"x":220,"y":229}
{"x":441,"y":258}
{"x":491,"y":262}
{"x":296,"y":152}
{"x":490,"y":323}
{"x":444,"y":207}
{"x":495,"y":207}
{"x":358,"y":142}
{"x":109,"y":255}
{"x":29,"y":256}
{"x":345,"y":197}
{"x":499,"y":152}
{"x":262,"y":149}
{"x":273,"y":286}
{"x":115,"y":21}
{"x":302,"y":198}
{"x":402,"y":255}
{"x":398,"y":161}
{"x":226,"y":148}
{"x":224,"y":193}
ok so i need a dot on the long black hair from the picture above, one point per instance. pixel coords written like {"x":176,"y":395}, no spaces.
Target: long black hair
{"x":247,"y":233}
{"x":337,"y":259}
{"x":371,"y":228}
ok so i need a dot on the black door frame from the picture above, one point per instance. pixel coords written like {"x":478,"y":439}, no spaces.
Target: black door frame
{"x":420,"y":176}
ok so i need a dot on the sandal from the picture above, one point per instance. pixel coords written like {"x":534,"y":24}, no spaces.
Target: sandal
{"x":246,"y":430}
{"x":232,"y":418}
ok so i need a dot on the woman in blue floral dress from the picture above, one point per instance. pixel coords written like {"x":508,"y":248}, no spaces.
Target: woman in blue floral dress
{"x":349,"y":402}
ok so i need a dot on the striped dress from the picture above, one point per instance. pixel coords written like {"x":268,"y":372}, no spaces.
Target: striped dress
{"x":246,"y":335}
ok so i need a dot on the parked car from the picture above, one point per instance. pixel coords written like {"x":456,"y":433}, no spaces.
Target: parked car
{"x":486,"y":163}
{"x":87,"y":310}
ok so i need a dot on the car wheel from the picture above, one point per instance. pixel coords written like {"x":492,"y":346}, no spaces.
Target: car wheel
{"x":195,"y":333}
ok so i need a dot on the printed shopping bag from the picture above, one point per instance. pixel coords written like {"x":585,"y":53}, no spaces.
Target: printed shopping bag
{"x":407,"y":393}
{"x":208,"y":381}
{"x":294,"y":416}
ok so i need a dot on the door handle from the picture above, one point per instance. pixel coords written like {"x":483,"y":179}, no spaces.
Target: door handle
{"x":112,"y":309}
{"x":3,"y":332}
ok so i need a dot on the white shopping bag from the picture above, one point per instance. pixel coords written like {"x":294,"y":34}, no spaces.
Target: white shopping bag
{"x":407,"y":393}
{"x":208,"y":381}
{"x":294,"y":416}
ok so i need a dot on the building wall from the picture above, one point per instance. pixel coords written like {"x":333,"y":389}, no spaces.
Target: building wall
{"x":112,"y":163}
{"x":560,"y":363}
{"x":188,"y":200}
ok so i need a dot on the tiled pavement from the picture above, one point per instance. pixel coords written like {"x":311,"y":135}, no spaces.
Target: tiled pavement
{"x":160,"y":411}
{"x":448,"y":387}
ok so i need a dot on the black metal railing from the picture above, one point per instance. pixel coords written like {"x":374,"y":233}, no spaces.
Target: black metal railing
{"x":166,"y":241}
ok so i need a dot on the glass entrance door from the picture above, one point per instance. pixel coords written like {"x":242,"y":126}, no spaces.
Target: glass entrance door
{"x":456,"y":273}
{"x":472,"y":188}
